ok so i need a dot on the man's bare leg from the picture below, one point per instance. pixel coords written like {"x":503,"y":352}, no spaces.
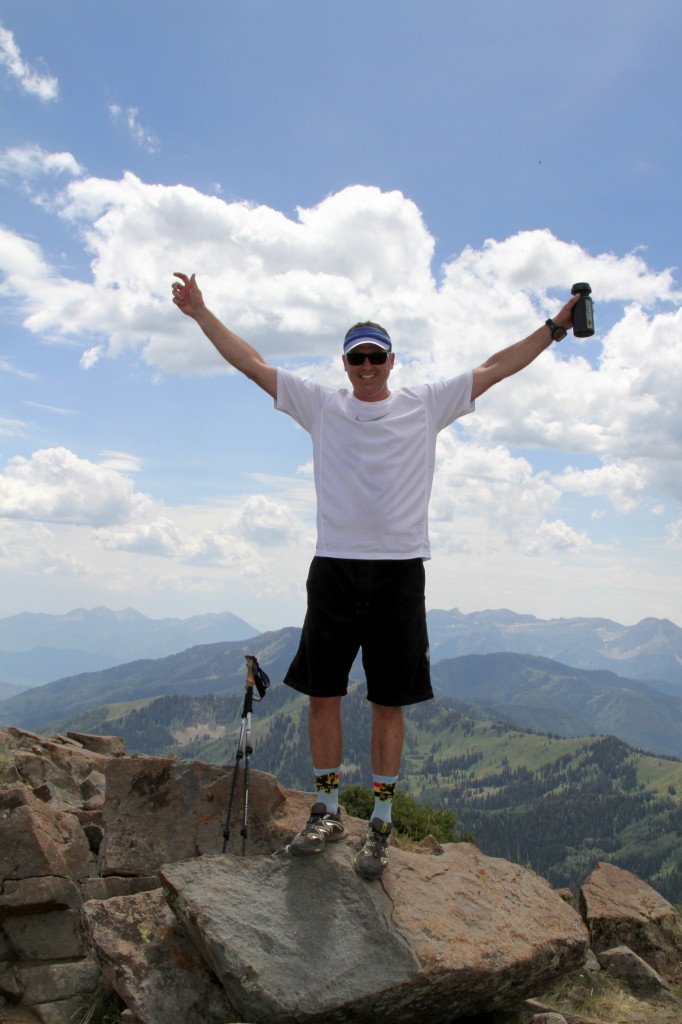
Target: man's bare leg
{"x":388,"y":735}
{"x":325,"y":731}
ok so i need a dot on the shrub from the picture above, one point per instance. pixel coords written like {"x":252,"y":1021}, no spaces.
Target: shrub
{"x":412,"y":820}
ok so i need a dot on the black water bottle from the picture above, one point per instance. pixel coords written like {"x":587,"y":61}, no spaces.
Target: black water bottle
{"x":583,"y":311}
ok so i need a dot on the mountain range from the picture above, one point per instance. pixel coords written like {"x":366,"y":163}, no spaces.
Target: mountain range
{"x":523,"y":690}
{"x":650,"y":651}
{"x":39,"y":648}
{"x":205,"y":669}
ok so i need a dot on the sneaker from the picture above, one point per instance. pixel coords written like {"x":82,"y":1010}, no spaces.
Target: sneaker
{"x":372,"y":859}
{"x":321,"y":827}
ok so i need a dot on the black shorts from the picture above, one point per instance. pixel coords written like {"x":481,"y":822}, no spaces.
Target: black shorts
{"x":376,"y":606}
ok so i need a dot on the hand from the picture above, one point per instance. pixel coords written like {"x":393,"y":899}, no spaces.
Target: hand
{"x":564,"y":317}
{"x":187,"y":296}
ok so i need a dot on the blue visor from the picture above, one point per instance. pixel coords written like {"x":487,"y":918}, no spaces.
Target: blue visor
{"x":367,"y":336}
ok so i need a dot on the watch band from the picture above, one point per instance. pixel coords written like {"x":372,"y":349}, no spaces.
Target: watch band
{"x":558,"y":333}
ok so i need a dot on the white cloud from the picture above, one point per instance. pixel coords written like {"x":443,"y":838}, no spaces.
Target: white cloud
{"x":211,"y":548}
{"x":622,"y":483}
{"x":140,"y":135}
{"x":33,"y":549}
{"x":7,"y":367}
{"x":312,"y":276}
{"x":11,"y":428}
{"x":56,"y":409}
{"x":45,"y":87}
{"x":91,"y":356}
{"x":55,"y":486}
{"x":29,"y":162}
{"x":64,"y":564}
{"x":255,"y":523}
{"x":674,"y":534}
{"x":122,"y":462}
{"x":488,"y":483}
{"x":268,"y":523}
{"x":160,"y":537}
{"x":23,"y":265}
{"x":556,"y":536}
{"x":293,"y":285}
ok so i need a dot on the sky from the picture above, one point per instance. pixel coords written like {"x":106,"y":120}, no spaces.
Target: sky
{"x":447,"y":169}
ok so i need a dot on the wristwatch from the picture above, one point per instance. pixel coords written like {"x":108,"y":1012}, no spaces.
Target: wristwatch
{"x":558,"y":333}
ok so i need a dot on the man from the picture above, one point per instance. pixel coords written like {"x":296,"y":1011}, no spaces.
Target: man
{"x":373,"y":457}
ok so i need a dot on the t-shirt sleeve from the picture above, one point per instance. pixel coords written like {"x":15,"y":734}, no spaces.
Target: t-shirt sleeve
{"x":301,"y":399}
{"x":447,"y":400}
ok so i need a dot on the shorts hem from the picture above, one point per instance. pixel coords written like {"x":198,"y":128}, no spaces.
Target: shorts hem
{"x":302,"y":688}
{"x":402,"y":702}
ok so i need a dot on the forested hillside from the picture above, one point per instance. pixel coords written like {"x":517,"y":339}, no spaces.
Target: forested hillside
{"x":546,"y":696}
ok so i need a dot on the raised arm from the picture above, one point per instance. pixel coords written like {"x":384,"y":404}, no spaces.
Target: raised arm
{"x":514,"y":358}
{"x":238,"y":353}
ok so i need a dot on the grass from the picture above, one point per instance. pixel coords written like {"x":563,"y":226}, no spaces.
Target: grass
{"x":590,"y":994}
{"x":102,"y":1007}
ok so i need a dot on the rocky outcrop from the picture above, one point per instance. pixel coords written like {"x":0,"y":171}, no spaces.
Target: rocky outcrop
{"x":621,"y":909}
{"x":635,"y":973}
{"x":50,"y":799}
{"x":159,"y":810}
{"x":145,"y":956}
{"x":111,"y":868}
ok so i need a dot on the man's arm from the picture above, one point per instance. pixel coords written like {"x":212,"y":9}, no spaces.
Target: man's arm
{"x":238,"y":353}
{"x":510,"y":360}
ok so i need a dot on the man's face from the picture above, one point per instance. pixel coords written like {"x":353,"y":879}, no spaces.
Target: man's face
{"x":370,"y":382}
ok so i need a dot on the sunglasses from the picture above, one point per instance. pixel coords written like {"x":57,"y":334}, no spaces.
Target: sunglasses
{"x":375,"y":358}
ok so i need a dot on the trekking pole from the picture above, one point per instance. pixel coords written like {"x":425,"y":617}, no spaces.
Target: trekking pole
{"x":254,"y":677}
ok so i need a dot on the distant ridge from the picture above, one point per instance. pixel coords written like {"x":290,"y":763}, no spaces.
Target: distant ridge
{"x":39,"y":648}
{"x":204,"y":669}
{"x":650,"y":651}
{"x":525,"y":690}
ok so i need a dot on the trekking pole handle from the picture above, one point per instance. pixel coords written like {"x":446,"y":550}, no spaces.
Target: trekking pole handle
{"x":255,"y":676}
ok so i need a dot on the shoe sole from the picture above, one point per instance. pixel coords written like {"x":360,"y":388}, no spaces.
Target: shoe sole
{"x":308,"y":849}
{"x":304,"y":851}
{"x":372,"y":877}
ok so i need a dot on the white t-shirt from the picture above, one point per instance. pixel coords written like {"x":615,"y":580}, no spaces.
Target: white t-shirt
{"x":373,"y":462}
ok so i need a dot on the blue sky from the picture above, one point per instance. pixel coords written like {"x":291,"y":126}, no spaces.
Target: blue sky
{"x":448,"y":169}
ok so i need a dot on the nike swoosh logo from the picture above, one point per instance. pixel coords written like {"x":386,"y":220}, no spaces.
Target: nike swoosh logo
{"x":370,"y":419}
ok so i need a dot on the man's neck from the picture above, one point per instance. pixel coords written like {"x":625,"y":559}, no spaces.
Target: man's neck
{"x":372,"y":398}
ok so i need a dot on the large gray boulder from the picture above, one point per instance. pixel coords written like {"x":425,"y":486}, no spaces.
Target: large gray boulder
{"x":440,"y":937}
